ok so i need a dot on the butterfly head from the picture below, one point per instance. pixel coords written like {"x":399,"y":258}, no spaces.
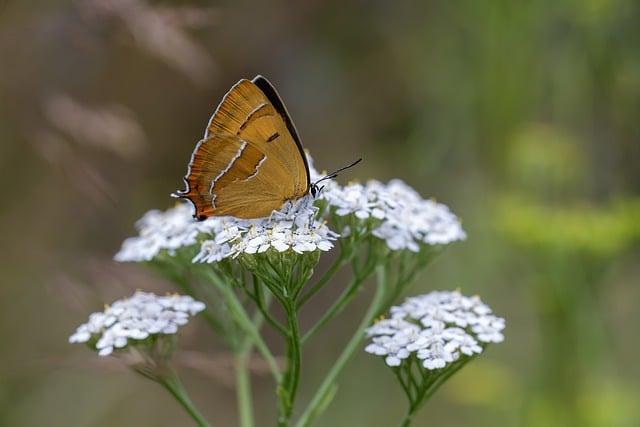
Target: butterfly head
{"x":315,"y":189}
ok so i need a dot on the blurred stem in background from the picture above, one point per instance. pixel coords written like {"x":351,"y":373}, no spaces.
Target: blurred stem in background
{"x":241,"y":334}
{"x":575,"y":348}
{"x":569,"y":243}
{"x":328,"y":387}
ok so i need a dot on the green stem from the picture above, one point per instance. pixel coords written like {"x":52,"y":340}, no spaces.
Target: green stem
{"x":243,"y":379}
{"x":174,"y":386}
{"x":319,"y":400}
{"x":296,"y":354}
{"x":429,"y":390}
{"x":343,"y":300}
{"x":411,"y":380}
{"x":343,"y":259}
{"x":441,"y":380}
{"x":242,"y":318}
{"x":408,"y":419}
{"x":243,"y":387}
{"x":405,"y":387}
{"x":404,"y":281}
{"x":259,"y":300}
{"x":291,"y":377}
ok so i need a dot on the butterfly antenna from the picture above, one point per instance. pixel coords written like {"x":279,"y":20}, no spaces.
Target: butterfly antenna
{"x":335,"y":173}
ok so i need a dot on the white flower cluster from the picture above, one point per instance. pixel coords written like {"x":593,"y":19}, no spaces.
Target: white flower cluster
{"x":362,"y":201}
{"x":438,"y":327}
{"x":407,"y":220}
{"x":169,"y":230}
{"x":136,"y":318}
{"x":294,"y":228}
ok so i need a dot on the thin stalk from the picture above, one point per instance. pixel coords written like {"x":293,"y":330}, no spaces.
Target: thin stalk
{"x":291,"y":377}
{"x":243,"y":387}
{"x":319,"y":400}
{"x":342,"y":259}
{"x":403,"y":282}
{"x":405,"y":387}
{"x":174,"y":386}
{"x":428,"y":391}
{"x":243,"y":379}
{"x":305,"y":275}
{"x":343,"y":300}
{"x":242,"y":318}
{"x":441,"y":380}
{"x":412,"y":381}
{"x":259,"y":300}
{"x":408,"y":419}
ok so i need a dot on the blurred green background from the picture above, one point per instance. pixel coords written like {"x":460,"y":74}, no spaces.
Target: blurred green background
{"x":522,"y":116}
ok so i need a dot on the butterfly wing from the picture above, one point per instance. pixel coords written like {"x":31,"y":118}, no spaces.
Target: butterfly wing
{"x":251,"y":160}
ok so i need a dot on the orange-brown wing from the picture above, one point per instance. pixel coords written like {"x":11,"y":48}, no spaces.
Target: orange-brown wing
{"x":250,"y":161}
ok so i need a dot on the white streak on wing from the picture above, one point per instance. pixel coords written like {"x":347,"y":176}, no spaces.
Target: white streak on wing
{"x":264,"y":157}
{"x":225,"y":170}
{"x":255,"y":110}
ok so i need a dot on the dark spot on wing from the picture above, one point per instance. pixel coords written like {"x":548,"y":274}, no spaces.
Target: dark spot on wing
{"x":272,"y":137}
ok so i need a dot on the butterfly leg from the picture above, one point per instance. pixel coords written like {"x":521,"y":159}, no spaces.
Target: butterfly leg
{"x":279,"y":214}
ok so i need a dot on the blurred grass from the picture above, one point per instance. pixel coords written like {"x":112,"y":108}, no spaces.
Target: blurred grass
{"x":522,"y":116}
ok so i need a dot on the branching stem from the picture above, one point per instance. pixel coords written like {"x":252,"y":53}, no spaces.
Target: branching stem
{"x":322,"y":395}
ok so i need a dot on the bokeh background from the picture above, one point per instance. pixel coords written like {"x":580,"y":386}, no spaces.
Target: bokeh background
{"x":523,"y":117}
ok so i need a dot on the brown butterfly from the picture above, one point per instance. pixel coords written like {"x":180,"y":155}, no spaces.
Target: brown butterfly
{"x":251,"y":161}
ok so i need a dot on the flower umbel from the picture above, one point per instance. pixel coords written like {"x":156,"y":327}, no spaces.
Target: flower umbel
{"x":406,"y":220}
{"x":293,"y":228}
{"x":145,"y":325}
{"x":437,"y":328}
{"x":128,"y":321}
{"x":429,"y":337}
{"x":170,"y":230}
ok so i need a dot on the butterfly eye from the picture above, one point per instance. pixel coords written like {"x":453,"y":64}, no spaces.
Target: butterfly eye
{"x":314,"y":190}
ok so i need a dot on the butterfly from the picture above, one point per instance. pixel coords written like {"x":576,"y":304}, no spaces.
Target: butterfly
{"x":250,"y":161}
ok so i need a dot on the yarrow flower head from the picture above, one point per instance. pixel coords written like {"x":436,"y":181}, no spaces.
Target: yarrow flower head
{"x":294,"y":228}
{"x":131,"y":320}
{"x":406,"y":220}
{"x":438,"y":328}
{"x":170,"y":230}
{"x":357,"y":199}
